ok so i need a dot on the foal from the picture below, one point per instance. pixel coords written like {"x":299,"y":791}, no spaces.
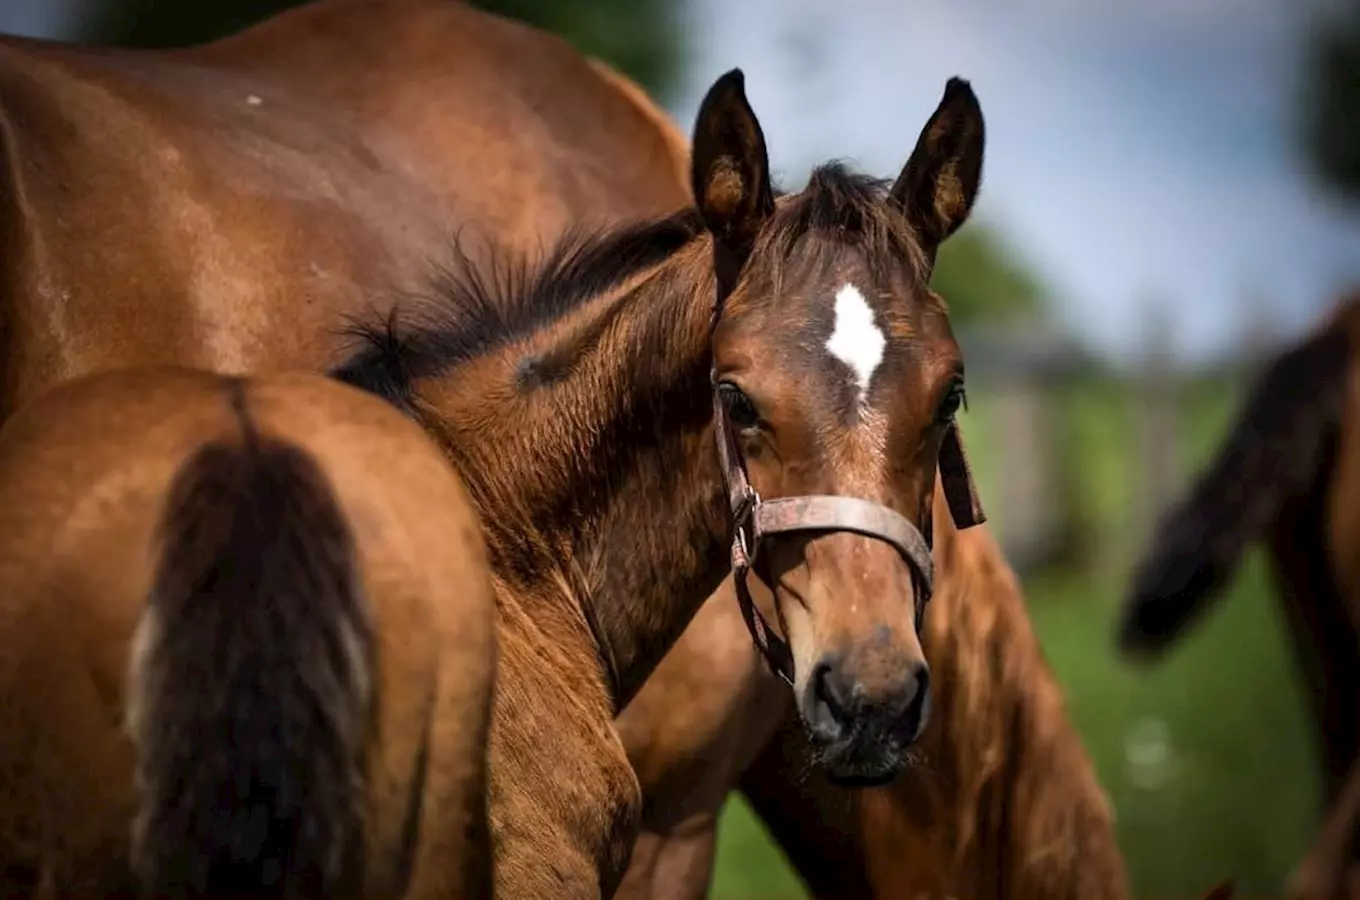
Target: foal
{"x":762,"y":381}
{"x":246,"y":645}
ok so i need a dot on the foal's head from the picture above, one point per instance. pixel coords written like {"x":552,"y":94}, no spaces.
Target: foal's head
{"x":838,"y":374}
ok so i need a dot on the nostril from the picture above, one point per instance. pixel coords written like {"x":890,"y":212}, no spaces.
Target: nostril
{"x":829,"y":691}
{"x":923,"y":680}
{"x":917,"y":711}
{"x":829,"y":701}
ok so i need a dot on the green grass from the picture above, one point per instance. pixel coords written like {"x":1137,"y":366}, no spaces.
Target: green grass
{"x":1234,"y":790}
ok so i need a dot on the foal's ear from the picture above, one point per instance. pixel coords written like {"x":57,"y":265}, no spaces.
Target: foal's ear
{"x":940,"y":181}
{"x":731,"y":173}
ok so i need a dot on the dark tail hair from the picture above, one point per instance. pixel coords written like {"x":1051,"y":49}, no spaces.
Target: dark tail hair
{"x":251,"y":683}
{"x":1272,"y":455}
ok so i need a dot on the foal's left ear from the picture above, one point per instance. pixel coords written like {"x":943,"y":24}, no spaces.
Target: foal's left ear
{"x":731,"y":172}
{"x":940,"y":181}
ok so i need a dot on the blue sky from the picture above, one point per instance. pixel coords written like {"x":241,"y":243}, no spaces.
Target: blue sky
{"x":1137,"y":151}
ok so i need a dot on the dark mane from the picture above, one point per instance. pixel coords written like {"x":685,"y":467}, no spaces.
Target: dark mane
{"x":474,"y":309}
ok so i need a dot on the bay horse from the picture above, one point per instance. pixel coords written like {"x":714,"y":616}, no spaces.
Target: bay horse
{"x":227,"y":206}
{"x":1002,"y":800}
{"x":247,"y":645}
{"x":1288,"y":474}
{"x":759,"y":382}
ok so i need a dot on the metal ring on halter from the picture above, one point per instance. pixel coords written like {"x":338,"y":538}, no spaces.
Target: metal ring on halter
{"x":746,"y":518}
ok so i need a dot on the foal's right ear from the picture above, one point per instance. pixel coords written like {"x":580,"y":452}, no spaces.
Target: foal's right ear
{"x":731,"y":172}
{"x":940,"y":181}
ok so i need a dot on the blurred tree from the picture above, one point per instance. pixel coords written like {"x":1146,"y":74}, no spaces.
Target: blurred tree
{"x":1330,"y":108}
{"x":643,"y":38}
{"x":983,"y":279}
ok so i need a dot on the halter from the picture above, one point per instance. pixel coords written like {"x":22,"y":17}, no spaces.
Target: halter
{"x":753,"y":519}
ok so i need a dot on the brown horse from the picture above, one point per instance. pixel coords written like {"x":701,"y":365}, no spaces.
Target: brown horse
{"x":247,"y":645}
{"x":1003,"y":801}
{"x":583,"y":404}
{"x":228,"y":206}
{"x":1288,"y":473}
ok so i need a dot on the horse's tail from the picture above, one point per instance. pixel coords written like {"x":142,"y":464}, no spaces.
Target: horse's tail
{"x":251,"y":682}
{"x":1271,"y":456}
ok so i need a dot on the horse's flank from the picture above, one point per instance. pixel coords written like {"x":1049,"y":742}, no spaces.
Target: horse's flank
{"x":231,"y":205}
{"x":1028,"y":794}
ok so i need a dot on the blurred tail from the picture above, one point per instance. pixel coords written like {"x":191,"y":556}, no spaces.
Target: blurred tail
{"x":250,"y":682}
{"x":1272,"y":455}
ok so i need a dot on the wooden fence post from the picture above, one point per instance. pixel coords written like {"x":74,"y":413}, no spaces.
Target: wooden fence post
{"x":1158,"y":442}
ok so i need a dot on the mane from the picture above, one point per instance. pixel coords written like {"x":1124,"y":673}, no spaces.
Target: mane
{"x":473,"y":310}
{"x":846,"y":208}
{"x":1027,"y":801}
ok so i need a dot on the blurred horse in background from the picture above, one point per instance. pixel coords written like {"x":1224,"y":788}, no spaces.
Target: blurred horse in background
{"x":246,"y":645}
{"x":1287,"y":474}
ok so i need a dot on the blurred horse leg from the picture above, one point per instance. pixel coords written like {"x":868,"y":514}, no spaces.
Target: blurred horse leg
{"x":1327,"y":865}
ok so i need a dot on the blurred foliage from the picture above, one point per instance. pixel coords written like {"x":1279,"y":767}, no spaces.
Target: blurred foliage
{"x":983,"y":279}
{"x":1330,"y":107}
{"x":158,"y":23}
{"x":640,"y":37}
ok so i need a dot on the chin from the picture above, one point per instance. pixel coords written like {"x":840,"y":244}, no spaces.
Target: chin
{"x":850,"y":766}
{"x":862,"y":778}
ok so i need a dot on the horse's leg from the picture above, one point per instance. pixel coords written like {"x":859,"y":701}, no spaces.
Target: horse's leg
{"x":677,"y":865}
{"x":1321,"y":874}
{"x":695,"y":725}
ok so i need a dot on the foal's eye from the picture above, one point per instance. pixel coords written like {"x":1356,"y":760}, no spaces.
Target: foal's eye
{"x":739,"y":407}
{"x":949,"y":406}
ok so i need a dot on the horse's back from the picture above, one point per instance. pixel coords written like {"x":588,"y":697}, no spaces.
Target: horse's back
{"x":466,"y":91}
{"x":227,"y":206}
{"x":88,"y":477}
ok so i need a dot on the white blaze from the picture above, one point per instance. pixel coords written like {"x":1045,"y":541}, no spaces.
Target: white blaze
{"x":856,"y":339}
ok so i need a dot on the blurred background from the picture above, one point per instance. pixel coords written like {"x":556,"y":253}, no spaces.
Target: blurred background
{"x":1172,"y":188}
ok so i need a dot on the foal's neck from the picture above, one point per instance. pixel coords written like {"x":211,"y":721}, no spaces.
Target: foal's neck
{"x":591,"y":441}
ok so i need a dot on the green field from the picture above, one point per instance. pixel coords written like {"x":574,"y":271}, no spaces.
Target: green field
{"x":1234,"y":790}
